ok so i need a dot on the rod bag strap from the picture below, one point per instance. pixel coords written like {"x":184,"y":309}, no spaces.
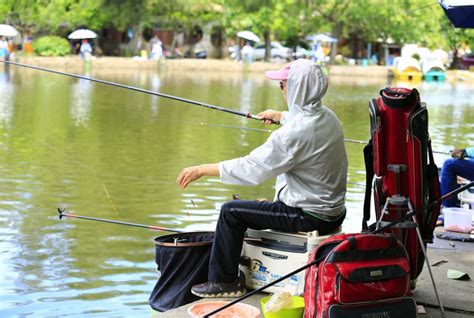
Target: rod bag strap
{"x":369,"y":176}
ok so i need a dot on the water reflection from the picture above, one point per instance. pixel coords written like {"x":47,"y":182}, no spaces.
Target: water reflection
{"x":124,"y":165}
{"x":246,"y":95}
{"x":7,"y":92}
{"x":446,"y":93}
{"x":155,"y":83}
{"x":81,"y":100}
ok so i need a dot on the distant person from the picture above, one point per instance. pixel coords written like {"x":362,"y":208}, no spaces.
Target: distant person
{"x":374,"y":59}
{"x":318,"y":53}
{"x":27,"y":46}
{"x":177,"y":54}
{"x":237,"y":52}
{"x":85,"y":50}
{"x":247,"y":53}
{"x":4,"y":49}
{"x":156,"y":51}
{"x":11,"y":48}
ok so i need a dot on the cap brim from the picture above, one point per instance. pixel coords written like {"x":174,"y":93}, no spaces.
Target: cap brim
{"x":279,"y":75}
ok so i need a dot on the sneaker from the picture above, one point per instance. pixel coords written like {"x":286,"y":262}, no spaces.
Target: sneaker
{"x":218,"y":290}
{"x":440,"y":221}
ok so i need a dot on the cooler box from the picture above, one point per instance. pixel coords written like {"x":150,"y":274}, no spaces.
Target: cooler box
{"x":274,"y":254}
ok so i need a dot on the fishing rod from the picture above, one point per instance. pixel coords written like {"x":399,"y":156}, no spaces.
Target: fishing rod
{"x":450,"y":194}
{"x":237,"y":127}
{"x":141,"y":90}
{"x":447,"y":153}
{"x":62,"y":214}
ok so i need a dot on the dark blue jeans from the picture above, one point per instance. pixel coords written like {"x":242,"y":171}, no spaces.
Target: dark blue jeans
{"x":238,"y":215}
{"x":451,"y":169}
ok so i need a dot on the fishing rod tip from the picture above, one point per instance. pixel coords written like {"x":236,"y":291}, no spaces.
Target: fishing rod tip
{"x":61,"y":211}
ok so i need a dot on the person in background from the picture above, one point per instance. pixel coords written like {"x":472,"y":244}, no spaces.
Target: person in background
{"x":177,"y":54}
{"x":86,"y":50}
{"x":11,"y":49}
{"x":307,"y":157}
{"x":318,"y":53}
{"x":156,"y":48}
{"x":247,"y":53}
{"x":27,"y":46}
{"x":3,"y":48}
{"x":462,"y":165}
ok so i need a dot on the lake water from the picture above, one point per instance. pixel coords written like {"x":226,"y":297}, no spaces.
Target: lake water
{"x":112,"y":153}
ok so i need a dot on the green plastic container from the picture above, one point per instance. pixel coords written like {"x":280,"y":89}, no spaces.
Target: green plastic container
{"x":294,"y":312}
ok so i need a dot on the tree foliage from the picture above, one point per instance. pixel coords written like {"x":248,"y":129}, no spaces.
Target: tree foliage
{"x":289,"y":21}
{"x":51,"y":46}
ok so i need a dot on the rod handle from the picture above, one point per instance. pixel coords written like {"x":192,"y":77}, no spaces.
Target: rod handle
{"x":274,"y":122}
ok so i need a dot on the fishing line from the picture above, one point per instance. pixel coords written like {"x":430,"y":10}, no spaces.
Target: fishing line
{"x":98,"y":175}
{"x":354,"y":141}
{"x":104,"y":187}
{"x":270,"y":131}
{"x":362,"y":185}
{"x":141,"y":90}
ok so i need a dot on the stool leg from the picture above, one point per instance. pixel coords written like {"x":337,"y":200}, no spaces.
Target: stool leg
{"x":423,"y":249}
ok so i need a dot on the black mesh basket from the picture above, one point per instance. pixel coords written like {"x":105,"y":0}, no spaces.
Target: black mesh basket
{"x":182,"y":261}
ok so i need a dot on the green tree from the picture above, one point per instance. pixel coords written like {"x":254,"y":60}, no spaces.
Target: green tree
{"x":185,"y":16}
{"x":263,"y":17}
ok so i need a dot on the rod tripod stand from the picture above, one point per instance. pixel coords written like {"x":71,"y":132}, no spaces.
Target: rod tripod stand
{"x":402,"y":203}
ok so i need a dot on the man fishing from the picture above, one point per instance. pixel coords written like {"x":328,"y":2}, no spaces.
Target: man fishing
{"x":307,"y":156}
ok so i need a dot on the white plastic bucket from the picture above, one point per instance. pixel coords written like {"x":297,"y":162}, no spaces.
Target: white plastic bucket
{"x":458,"y":220}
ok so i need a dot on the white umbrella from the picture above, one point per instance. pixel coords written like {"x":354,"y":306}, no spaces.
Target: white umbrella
{"x":321,"y":38}
{"x":82,"y":34}
{"x":248,"y":35}
{"x":8,"y":30}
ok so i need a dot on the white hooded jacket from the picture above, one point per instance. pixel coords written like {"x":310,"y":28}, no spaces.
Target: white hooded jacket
{"x":306,"y":154}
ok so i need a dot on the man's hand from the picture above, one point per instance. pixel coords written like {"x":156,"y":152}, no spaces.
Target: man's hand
{"x":269,"y":116}
{"x":188,"y":175}
{"x":191,"y":174}
{"x":459,"y":153}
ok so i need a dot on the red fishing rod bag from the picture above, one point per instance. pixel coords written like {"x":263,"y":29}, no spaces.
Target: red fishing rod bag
{"x":359,"y":275}
{"x":400,"y":168}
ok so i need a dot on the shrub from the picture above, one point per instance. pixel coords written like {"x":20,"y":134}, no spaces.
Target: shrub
{"x":51,"y":46}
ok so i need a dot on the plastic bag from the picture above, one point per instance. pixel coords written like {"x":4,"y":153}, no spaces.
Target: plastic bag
{"x":278,"y":301}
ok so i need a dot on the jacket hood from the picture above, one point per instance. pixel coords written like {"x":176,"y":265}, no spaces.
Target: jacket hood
{"x":306,"y":86}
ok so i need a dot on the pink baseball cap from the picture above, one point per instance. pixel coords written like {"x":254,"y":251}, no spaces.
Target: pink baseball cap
{"x":279,"y":75}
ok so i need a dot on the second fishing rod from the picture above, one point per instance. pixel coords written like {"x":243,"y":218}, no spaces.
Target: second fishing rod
{"x":141,"y":90}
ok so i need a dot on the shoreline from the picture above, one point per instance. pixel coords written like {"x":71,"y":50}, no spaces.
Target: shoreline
{"x":202,"y":65}
{"x":117,"y":64}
